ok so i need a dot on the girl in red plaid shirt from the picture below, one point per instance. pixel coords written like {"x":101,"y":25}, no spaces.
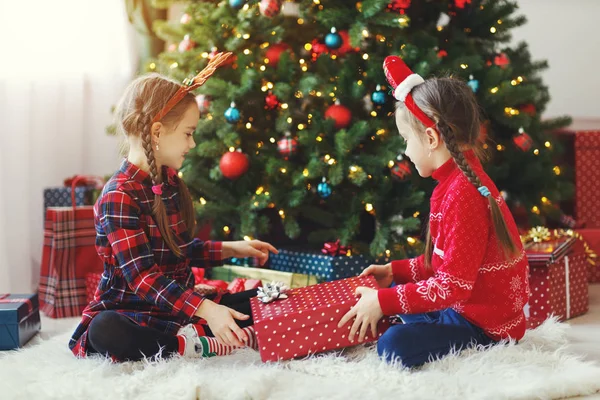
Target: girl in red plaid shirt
{"x":146,"y":305}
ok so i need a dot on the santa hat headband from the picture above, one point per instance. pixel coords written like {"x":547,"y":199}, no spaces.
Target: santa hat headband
{"x":193,"y":83}
{"x":403,"y":81}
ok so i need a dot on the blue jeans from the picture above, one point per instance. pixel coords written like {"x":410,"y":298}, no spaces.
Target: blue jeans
{"x":423,"y":337}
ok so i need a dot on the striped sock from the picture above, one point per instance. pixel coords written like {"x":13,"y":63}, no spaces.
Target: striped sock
{"x":211,"y":347}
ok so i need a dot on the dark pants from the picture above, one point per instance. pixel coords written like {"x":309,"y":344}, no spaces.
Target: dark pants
{"x":425,"y":337}
{"x":114,"y":334}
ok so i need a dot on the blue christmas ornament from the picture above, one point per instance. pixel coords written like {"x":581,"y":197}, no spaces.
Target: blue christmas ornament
{"x":473,"y":84}
{"x":324,"y":189}
{"x":378,"y":96}
{"x":237,"y":4}
{"x":333,"y":40}
{"x":232,"y":115}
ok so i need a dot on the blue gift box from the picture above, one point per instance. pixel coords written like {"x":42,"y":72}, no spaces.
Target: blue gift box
{"x":19,"y":319}
{"x":324,"y":267}
{"x":61,"y":196}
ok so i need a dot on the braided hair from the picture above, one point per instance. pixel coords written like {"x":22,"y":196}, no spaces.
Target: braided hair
{"x":452,"y":105}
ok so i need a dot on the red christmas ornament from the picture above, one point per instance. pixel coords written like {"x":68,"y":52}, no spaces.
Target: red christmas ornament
{"x":234,"y":164}
{"x":501,"y":60}
{"x":287,"y":146}
{"x":442,"y":53}
{"x":271,"y":101}
{"x":522,"y":140}
{"x":186,"y":19}
{"x":461,"y":3}
{"x":270,"y":8}
{"x":401,"y":169}
{"x":319,"y":48}
{"x":340,"y":114}
{"x":203,"y":103}
{"x":528,"y":109}
{"x":399,"y":5}
{"x":186,"y":44}
{"x":274,"y":52}
{"x":346,"y":46}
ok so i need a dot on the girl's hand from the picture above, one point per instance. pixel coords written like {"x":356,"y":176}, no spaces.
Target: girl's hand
{"x":252,"y":248}
{"x":221,"y":322}
{"x":366,"y":313}
{"x":382,"y":273}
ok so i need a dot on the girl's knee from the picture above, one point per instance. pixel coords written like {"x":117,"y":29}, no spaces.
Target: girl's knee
{"x":397,"y":343}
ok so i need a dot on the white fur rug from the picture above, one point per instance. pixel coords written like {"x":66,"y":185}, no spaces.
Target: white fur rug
{"x":538,"y":367}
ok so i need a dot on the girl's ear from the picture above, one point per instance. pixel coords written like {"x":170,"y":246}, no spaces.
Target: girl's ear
{"x":156,"y":130}
{"x":434,"y":139}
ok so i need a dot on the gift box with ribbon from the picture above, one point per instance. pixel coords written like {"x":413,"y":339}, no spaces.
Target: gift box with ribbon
{"x":86,"y":189}
{"x":557,"y":277}
{"x":333,"y":262}
{"x":19,"y":319}
{"x":228,"y":273}
{"x":591,"y":239}
{"x":304,"y":321}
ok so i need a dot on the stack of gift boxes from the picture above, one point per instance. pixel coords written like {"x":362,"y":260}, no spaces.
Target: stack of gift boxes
{"x":581,"y":142}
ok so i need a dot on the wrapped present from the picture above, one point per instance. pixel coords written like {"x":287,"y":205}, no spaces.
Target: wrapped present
{"x":587,"y":176}
{"x":61,"y":196}
{"x":332,"y":263}
{"x":557,"y":279}
{"x":306,"y":321}
{"x":19,"y":319}
{"x":244,"y":262}
{"x":591,"y":238}
{"x":68,"y":255}
{"x":230,"y":272}
{"x":92,"y":281}
{"x":86,"y":189}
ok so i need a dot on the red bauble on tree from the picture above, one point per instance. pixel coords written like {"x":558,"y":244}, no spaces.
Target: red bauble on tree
{"x":501,"y":60}
{"x":274,"y":52}
{"x":203,"y":103}
{"x":399,"y":5}
{"x":186,"y":44}
{"x":528,"y":109}
{"x":271,"y":101}
{"x":522,"y":140}
{"x":401,"y":169}
{"x":461,"y":3}
{"x":346,"y":46}
{"x":340,"y":114}
{"x":287,"y":146}
{"x":270,"y":8}
{"x":234,"y":164}
{"x":442,"y":53}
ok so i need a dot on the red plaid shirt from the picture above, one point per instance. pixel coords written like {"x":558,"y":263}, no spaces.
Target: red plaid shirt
{"x":143,"y":279}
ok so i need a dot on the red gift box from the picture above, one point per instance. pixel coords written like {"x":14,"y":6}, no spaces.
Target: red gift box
{"x":557,"y":280}
{"x":306,"y":322}
{"x":592,"y":238}
{"x":587,"y":176}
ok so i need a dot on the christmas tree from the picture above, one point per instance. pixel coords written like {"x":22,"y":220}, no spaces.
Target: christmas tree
{"x":297,"y":140}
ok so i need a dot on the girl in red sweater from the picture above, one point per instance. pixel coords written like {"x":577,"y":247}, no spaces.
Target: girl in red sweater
{"x":471,"y":284}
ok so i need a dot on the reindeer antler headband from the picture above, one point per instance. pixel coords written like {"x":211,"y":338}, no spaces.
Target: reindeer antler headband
{"x":191,"y":84}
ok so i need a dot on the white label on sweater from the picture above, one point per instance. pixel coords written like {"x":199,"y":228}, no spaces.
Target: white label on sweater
{"x":438,"y":251}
